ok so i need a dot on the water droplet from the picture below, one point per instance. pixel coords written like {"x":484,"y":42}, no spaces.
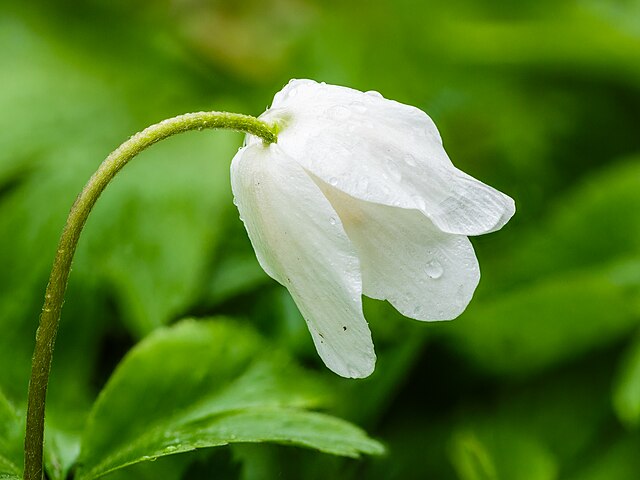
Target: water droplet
{"x":373,"y":93}
{"x":339,"y":112}
{"x":333,"y":181}
{"x":433,"y":269}
{"x":410,"y":160}
{"x":235,"y":201}
{"x":332,"y":220}
{"x":170,"y":449}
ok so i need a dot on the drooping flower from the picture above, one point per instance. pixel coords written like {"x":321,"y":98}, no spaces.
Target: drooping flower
{"x":358,"y":196}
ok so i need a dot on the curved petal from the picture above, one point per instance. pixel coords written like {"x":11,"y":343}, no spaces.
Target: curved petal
{"x":424,"y":273}
{"x":300,"y":242}
{"x":384,"y":152}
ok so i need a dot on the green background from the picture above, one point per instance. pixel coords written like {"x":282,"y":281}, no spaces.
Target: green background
{"x":538,"y":380}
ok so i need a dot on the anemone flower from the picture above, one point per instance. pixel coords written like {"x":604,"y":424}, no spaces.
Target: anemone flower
{"x":358,"y":196}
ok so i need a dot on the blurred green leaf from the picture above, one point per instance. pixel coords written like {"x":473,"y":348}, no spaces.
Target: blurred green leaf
{"x":236,"y":270}
{"x":539,"y":325}
{"x":170,"y":467}
{"x":591,"y":226}
{"x":565,"y":286}
{"x":471,"y":459}
{"x":497,"y":452}
{"x":259,"y":462}
{"x":207,"y":384}
{"x":152,"y":235}
{"x":61,"y":450}
{"x":11,"y":438}
{"x":626,"y":389}
{"x":614,"y":460}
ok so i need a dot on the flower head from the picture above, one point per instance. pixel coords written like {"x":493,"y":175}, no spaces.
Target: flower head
{"x":358,"y":196}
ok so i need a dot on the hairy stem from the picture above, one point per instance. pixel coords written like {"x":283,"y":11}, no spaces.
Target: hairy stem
{"x":54,"y":296}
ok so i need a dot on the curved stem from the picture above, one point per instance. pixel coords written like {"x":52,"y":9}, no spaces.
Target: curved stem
{"x":54,"y":297}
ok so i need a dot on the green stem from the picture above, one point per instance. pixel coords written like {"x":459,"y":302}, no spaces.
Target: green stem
{"x":54,"y":297}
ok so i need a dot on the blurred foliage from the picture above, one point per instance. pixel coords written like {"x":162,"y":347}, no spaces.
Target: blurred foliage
{"x":197,"y":396}
{"x":539,"y":379}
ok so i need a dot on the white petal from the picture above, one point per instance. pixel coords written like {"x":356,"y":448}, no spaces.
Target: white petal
{"x":424,"y":273}
{"x":385,"y":152}
{"x":300,"y":242}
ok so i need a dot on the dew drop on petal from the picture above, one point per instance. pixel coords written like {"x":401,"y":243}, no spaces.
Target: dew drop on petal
{"x":332,"y":220}
{"x":333,"y":181}
{"x":433,"y":269}
{"x":373,"y":93}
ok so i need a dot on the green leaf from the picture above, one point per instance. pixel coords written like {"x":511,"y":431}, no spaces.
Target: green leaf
{"x":152,"y":234}
{"x":501,"y":452}
{"x":626,"y":389}
{"x":544,"y":323}
{"x":592,"y":226}
{"x":617,"y":460}
{"x":564,"y":287}
{"x":471,"y":459}
{"x":11,"y":437}
{"x":204,"y":384}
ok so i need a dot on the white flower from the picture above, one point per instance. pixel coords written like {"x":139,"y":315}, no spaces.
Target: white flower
{"x":359,"y":197}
